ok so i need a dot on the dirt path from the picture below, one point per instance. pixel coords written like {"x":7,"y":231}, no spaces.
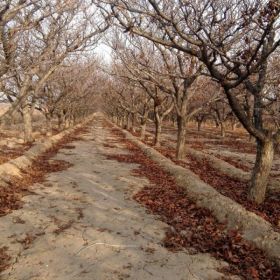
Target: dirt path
{"x":83,"y":224}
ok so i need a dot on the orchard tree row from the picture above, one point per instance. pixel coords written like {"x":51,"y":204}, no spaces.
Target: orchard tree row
{"x":46,"y":60}
{"x":178,"y":59}
{"x":191,"y":57}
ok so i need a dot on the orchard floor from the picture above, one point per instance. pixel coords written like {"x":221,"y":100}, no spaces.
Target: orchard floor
{"x":82,"y":223}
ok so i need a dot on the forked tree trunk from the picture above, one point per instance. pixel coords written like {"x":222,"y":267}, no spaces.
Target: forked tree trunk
{"x":260,"y":174}
{"x":27,"y":123}
{"x":181,"y":137}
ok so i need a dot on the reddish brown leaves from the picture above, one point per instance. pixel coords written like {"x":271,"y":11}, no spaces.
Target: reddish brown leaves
{"x":193,"y":227}
{"x":4,"y":258}
{"x":10,"y":196}
{"x":7,"y":153}
{"x":235,"y":189}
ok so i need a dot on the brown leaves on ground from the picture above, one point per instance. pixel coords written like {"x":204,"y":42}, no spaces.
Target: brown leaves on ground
{"x":10,"y":196}
{"x":69,"y":147}
{"x":193,"y":227}
{"x":27,"y":240}
{"x":236,"y":190}
{"x":232,"y":188}
{"x":62,"y":227}
{"x":7,"y":153}
{"x":4,"y":258}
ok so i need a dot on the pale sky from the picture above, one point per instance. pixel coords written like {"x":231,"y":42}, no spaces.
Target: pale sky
{"x":104,"y":51}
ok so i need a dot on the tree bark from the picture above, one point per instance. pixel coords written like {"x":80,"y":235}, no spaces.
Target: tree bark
{"x":123,"y":121}
{"x":143,"y":124}
{"x":71,"y":120}
{"x":233,"y":126}
{"x":158,"y":123}
{"x":119,"y":121}
{"x":143,"y":131}
{"x":133,"y":122}
{"x":181,"y":137}
{"x":60,"y":121}
{"x":199,"y":123}
{"x":222,"y":126}
{"x":27,"y":123}
{"x":260,"y":174}
{"x":127,"y":121}
{"x":49,"y":124}
{"x":67,"y":122}
{"x":216,"y":123}
{"x":174,"y":123}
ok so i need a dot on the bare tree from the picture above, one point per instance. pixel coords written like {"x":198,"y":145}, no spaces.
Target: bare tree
{"x":221,"y":112}
{"x":69,"y":28}
{"x":138,"y":62}
{"x":234,"y":40}
{"x":166,"y":74}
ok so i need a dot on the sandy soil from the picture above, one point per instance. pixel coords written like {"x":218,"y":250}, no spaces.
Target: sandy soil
{"x":83,"y":224}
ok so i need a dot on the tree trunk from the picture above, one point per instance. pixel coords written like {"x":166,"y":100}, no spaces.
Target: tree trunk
{"x":260,"y":174}
{"x":67,"y":122}
{"x":121,"y":121}
{"x":216,"y":123}
{"x":174,"y":120}
{"x":27,"y":123}
{"x":143,"y":130}
{"x":222,"y":126}
{"x":158,"y":122}
{"x":144,"y":124}
{"x":133,"y":122}
{"x":199,"y":123}
{"x":127,"y":121}
{"x":60,"y":121}
{"x":75,"y":120}
{"x":71,"y":120}
{"x":181,"y":137}
{"x":49,"y":125}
